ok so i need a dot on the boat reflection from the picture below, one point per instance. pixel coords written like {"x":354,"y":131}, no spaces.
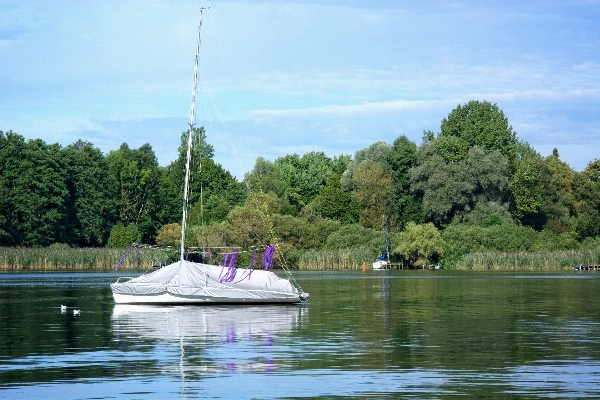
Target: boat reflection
{"x":211,"y":323}
{"x":196,"y":340}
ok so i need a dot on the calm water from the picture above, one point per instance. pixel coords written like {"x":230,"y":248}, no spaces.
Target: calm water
{"x":407,"y":334}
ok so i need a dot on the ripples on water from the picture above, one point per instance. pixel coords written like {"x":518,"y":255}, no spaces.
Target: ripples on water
{"x":407,"y":334}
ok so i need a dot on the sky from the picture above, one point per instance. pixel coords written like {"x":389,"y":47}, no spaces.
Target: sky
{"x":285,"y":77}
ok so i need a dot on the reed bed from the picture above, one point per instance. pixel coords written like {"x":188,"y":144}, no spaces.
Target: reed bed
{"x":541,"y":260}
{"x":335,"y":259}
{"x":21,"y":258}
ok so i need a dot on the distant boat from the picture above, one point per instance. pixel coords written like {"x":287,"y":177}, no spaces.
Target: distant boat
{"x":185,"y":282}
{"x":383,"y":261}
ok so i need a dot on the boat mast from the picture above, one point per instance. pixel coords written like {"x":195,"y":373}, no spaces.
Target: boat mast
{"x":387,"y":241}
{"x":189,"y":147}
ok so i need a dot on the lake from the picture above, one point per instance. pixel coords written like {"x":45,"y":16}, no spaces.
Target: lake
{"x":398,"y":334}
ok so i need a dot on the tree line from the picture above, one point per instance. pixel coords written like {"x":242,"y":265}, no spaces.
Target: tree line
{"x":473,"y":186}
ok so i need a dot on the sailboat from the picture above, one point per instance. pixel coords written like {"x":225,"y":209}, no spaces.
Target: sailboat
{"x":383,"y":262}
{"x":185,"y":282}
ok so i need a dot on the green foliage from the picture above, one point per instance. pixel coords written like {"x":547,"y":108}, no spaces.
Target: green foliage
{"x":137,"y":178}
{"x":526,"y":188}
{"x":506,"y":237}
{"x":560,"y":207}
{"x":306,"y":176}
{"x":33,"y":179}
{"x":355,"y":236}
{"x":404,"y":205}
{"x":373,"y":188}
{"x":419,"y":244}
{"x":493,"y":196}
{"x":92,"y":193}
{"x":122,"y":236}
{"x":378,"y":152}
{"x":476,"y":123}
{"x":451,"y":190}
{"x":335,"y":203}
{"x":265,"y":177}
{"x":169,"y":235}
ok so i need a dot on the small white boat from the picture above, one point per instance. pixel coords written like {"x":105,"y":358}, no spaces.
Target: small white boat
{"x":185,"y":282}
{"x":381,"y":264}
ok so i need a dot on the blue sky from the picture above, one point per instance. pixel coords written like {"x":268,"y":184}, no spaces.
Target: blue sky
{"x":287,"y":77}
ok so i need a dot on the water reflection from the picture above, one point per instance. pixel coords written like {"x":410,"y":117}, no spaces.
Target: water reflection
{"x":208,"y":338}
{"x":204,"y":323}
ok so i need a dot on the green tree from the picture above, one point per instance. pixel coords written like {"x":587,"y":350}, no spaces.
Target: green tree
{"x":169,"y":235}
{"x":306,"y":176}
{"x":91,"y":189}
{"x":221,"y":192}
{"x":419,"y":244}
{"x":122,"y":236}
{"x":335,"y":203}
{"x":137,"y":176}
{"x":560,"y":207}
{"x":373,"y":187}
{"x":586,"y":193}
{"x":378,"y":152}
{"x":526,"y":187}
{"x":452,"y":189}
{"x":33,"y":176}
{"x":476,"y":123}
{"x":404,"y":205}
{"x":355,"y":236}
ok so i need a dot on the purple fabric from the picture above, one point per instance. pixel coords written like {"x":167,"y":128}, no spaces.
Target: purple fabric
{"x":250,"y":268}
{"x":187,"y":255}
{"x":205,"y":254}
{"x":123,"y":258}
{"x":225,"y":257}
{"x":268,"y":257}
{"x":137,"y":253}
{"x":230,"y":274}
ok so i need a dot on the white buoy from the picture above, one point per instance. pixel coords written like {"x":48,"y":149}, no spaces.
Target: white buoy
{"x":76,"y":312}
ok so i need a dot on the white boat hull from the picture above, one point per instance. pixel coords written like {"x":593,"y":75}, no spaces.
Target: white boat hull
{"x":185,"y":282}
{"x":168,"y":298}
{"x":381,"y":265}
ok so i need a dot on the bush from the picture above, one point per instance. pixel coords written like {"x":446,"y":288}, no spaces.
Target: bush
{"x":122,"y":236}
{"x":355,"y":236}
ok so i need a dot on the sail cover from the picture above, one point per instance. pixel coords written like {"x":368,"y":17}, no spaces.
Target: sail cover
{"x":196,"y":280}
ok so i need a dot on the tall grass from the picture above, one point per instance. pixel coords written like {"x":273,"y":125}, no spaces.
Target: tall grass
{"x":335,"y":259}
{"x":540,"y":260}
{"x":19,"y":258}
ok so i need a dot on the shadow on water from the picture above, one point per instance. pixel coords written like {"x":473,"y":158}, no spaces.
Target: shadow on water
{"x":384,"y":334}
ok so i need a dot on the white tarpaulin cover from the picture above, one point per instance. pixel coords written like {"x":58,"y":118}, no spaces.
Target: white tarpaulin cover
{"x":184,"y":279}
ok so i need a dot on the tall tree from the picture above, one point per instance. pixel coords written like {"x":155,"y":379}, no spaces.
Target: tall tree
{"x":201,"y":151}
{"x":137,"y":177}
{"x":452,"y":189}
{"x":335,"y":203}
{"x":372,"y":190}
{"x":526,"y":187}
{"x":557,"y":180}
{"x":419,"y":244}
{"x":92,"y":192}
{"x":33,"y":177}
{"x":378,"y":152}
{"x":306,"y":176}
{"x":476,"y":123}
{"x":404,"y":205}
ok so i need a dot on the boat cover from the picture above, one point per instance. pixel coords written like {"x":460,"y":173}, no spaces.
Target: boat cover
{"x":185,"y":278}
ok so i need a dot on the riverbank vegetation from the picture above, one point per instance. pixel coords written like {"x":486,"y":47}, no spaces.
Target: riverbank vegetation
{"x":469,"y":196}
